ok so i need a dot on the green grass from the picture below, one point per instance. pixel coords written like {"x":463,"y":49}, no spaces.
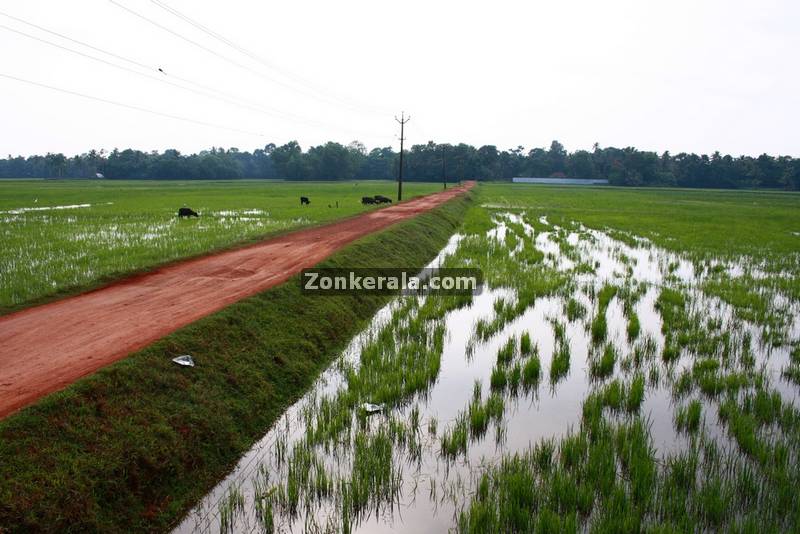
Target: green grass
{"x":131,"y":226}
{"x":133,"y":446}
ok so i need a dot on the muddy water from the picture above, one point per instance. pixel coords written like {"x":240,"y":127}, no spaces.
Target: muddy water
{"x":431,"y":488}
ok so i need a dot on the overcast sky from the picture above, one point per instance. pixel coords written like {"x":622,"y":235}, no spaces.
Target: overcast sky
{"x":681,"y":76}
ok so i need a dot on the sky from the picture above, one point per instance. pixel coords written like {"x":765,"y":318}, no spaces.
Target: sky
{"x":684,"y":76}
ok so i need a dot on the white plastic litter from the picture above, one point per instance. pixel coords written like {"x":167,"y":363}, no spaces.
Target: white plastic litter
{"x":372,"y":408}
{"x":184,"y":360}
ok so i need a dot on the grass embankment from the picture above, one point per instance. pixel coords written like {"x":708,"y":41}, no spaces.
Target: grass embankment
{"x":133,"y":446}
{"x":64,"y":236}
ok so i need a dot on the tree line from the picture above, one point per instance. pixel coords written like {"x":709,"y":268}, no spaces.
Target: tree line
{"x":423,"y":162}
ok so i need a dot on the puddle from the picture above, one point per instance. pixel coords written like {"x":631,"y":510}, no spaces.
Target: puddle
{"x":308,"y":471}
{"x":17,"y":211}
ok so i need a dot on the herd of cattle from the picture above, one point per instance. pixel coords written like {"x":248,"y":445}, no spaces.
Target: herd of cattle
{"x":304,"y":201}
{"x":377,"y":199}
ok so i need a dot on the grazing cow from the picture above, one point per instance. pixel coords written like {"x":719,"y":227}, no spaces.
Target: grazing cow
{"x":380,"y":199}
{"x":187,"y":212}
{"x":367,"y":200}
{"x":304,"y":201}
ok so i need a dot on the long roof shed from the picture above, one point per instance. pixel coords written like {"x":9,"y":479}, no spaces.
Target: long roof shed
{"x":558,"y":181}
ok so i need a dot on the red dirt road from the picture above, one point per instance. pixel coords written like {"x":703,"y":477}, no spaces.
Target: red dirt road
{"x":46,"y":348}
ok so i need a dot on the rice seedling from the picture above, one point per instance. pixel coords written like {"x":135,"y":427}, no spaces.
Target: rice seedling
{"x":604,"y":367}
{"x":683,"y":385}
{"x":687,"y":418}
{"x":559,"y":364}
{"x":635,"y":395}
{"x":634,"y":327}
{"x":515,"y":377}
{"x":374,"y":481}
{"x":526,"y":347}
{"x":499,"y":378}
{"x":559,"y":331}
{"x":454,"y":440}
{"x":507,"y":352}
{"x":574,"y":310}
{"x":532,"y":371}
{"x":599,"y":327}
{"x":605,"y":295}
{"x":645,"y":349}
{"x":480,"y":414}
{"x":432,"y":425}
{"x":229,"y":507}
{"x":613,"y":395}
{"x":792,"y":373}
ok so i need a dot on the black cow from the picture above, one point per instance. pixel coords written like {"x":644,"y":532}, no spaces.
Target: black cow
{"x":187,"y":212}
{"x":367,"y":200}
{"x":380,"y":199}
{"x":304,"y":201}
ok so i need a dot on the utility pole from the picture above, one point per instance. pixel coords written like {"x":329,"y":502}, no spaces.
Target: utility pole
{"x":402,"y":120}
{"x":444,"y":168}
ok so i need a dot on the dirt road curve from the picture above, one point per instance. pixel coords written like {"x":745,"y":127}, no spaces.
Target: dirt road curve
{"x":46,"y":348}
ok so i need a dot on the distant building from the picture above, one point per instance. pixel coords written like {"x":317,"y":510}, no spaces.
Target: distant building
{"x":558,"y":181}
{"x":98,"y":175}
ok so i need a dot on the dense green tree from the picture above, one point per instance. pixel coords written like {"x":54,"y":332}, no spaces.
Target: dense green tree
{"x":331,"y":161}
{"x":334,"y":161}
{"x":289,"y":162}
{"x":56,"y":163}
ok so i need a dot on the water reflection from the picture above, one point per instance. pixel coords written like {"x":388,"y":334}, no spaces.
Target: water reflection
{"x":311,"y":470}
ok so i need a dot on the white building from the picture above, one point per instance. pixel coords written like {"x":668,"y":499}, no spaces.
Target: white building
{"x":558,"y":181}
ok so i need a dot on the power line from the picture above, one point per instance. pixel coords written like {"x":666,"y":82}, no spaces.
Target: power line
{"x":402,"y":120}
{"x":87,"y":45}
{"x":221,"y":56}
{"x":130,"y":106}
{"x":151,"y":77}
{"x":252,"y":55}
{"x":188,"y":40}
{"x":221,"y":38}
{"x":93,"y":58}
{"x":205,"y":90}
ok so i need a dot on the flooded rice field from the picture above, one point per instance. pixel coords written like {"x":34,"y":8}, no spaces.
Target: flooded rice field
{"x":580,"y":335}
{"x":49,"y":248}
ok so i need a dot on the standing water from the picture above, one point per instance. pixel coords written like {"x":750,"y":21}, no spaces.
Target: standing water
{"x":463,"y":382}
